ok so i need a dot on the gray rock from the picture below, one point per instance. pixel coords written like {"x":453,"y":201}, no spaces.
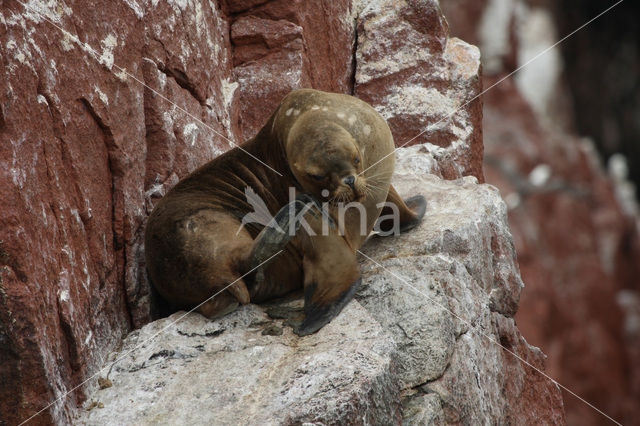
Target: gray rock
{"x":419,"y":345}
{"x":198,"y":371}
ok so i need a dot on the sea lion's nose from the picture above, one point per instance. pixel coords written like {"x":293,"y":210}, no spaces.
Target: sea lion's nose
{"x":349,"y":180}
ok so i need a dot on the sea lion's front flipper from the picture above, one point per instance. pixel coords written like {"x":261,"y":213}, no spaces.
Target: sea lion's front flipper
{"x":284,"y":226}
{"x":411,"y":211}
{"x":331,"y":278}
{"x":318,"y":313}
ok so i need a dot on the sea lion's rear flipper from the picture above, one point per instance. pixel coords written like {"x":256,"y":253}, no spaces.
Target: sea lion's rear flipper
{"x":418,"y":205}
{"x":318,"y":314}
{"x":411,"y":211}
{"x":284,"y":226}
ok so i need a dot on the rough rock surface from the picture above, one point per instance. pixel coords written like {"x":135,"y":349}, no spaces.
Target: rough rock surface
{"x":575,"y":226}
{"x":283,"y":45}
{"x":90,"y":139}
{"x":425,"y":84}
{"x":421,"y":343}
{"x":85,"y":148}
{"x":230,"y":372}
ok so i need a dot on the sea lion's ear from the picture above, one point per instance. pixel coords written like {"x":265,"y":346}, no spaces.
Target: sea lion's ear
{"x":318,"y":313}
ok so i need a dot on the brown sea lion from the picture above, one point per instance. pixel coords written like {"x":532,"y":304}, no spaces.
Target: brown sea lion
{"x":330,"y":149}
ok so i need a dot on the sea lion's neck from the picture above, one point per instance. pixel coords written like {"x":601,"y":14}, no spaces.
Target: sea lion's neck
{"x":269,"y":145}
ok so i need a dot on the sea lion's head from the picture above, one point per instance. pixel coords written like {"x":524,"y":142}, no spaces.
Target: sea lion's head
{"x":325,"y":157}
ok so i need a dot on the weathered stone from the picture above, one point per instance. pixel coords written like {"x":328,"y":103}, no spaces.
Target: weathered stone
{"x":85,"y":148}
{"x":425,"y":84}
{"x":284,"y":45}
{"x":235,"y":375}
{"x":461,"y":254}
{"x":255,"y":38}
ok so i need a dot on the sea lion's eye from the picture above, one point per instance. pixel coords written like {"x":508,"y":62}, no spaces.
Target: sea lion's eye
{"x":315,"y":177}
{"x":356,"y":161}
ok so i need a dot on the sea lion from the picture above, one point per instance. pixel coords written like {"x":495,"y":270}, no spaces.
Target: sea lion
{"x":330,"y":149}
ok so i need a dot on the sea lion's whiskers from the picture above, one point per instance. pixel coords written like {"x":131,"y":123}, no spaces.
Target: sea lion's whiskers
{"x":372,"y":186}
{"x":382,"y":182}
{"x":378,"y":178}
{"x":378,"y":175}
{"x":368,"y":191}
{"x":375,"y":184}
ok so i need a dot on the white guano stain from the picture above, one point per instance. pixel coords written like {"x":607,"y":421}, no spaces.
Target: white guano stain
{"x":108,"y":44}
{"x":190,"y":133}
{"x":540,"y":175}
{"x":85,"y":270}
{"x":66,"y":249}
{"x":76,"y":215}
{"x":180,"y":4}
{"x":37,"y":10}
{"x":413,"y":100}
{"x":44,"y":215}
{"x":23,"y":59}
{"x":228,"y":89}
{"x":17,"y":170}
{"x":64,"y":296}
{"x":21,"y":55}
{"x":137,"y":9}
{"x":89,"y":210}
{"x":199,"y":18}
{"x":101,"y":95}
{"x":121,"y":75}
{"x":68,"y":41}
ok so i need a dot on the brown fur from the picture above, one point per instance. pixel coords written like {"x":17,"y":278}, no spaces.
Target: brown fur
{"x":192,"y":249}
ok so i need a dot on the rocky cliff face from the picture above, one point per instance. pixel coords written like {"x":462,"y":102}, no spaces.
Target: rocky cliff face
{"x":574,"y":222}
{"x":103,"y":109}
{"x":86,"y":148}
{"x":425,"y":84}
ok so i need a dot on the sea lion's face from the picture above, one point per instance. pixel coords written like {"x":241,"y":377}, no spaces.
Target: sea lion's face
{"x":328,"y":164}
